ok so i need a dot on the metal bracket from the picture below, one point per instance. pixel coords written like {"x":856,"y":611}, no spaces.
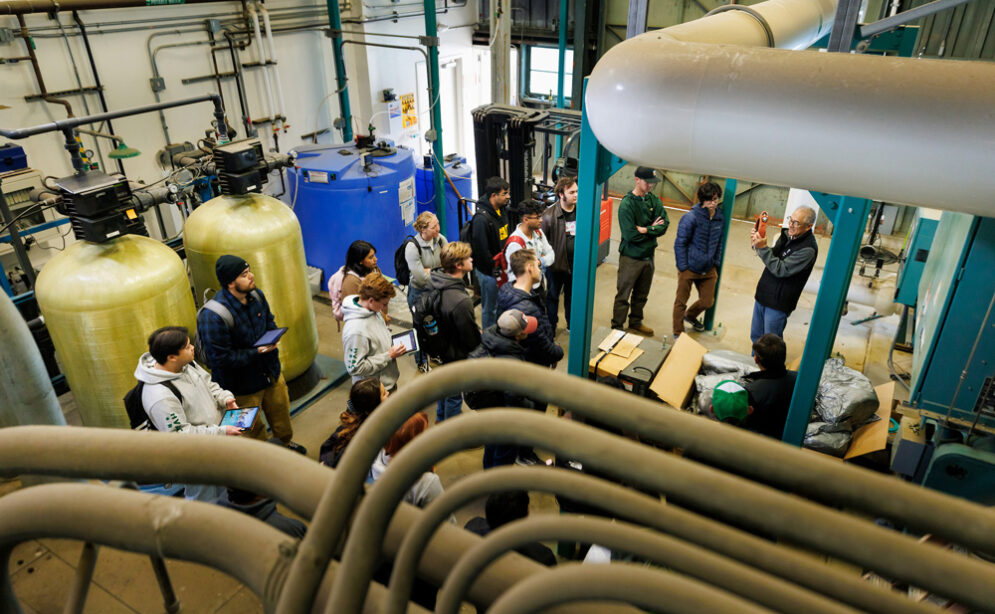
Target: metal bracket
{"x":428,"y":41}
{"x":158,"y":84}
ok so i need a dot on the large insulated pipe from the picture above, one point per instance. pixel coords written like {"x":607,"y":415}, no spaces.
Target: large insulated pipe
{"x":26,"y":393}
{"x":706,"y":97}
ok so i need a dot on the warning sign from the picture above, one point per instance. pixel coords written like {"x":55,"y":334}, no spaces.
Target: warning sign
{"x":409,"y":116}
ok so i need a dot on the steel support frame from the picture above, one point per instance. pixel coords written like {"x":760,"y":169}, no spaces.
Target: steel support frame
{"x":561,"y":66}
{"x":435,"y":104}
{"x":597,"y":164}
{"x":335,"y":23}
{"x":849,"y":217}
{"x":636,"y":23}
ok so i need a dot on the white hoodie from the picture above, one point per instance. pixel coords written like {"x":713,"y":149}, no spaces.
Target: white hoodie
{"x":365,"y":343}
{"x":203,"y":400}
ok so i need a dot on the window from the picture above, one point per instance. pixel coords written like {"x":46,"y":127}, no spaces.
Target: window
{"x":543,"y":72}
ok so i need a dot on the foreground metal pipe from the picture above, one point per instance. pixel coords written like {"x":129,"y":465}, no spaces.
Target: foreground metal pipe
{"x":153,"y":457}
{"x":758,"y":587}
{"x":652,"y":589}
{"x":250,"y":551}
{"x":966,"y":580}
{"x":640,"y":508}
{"x":865,"y":113}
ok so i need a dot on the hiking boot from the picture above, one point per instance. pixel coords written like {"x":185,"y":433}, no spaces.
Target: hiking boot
{"x":642,"y":329}
{"x":296,"y":447}
{"x":697,"y":325}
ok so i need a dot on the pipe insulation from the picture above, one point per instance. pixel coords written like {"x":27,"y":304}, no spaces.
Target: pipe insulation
{"x":26,"y":393}
{"x":705,"y":97}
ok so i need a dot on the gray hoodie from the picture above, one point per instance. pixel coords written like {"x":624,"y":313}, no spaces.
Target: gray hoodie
{"x":365,"y":342}
{"x":203,"y":400}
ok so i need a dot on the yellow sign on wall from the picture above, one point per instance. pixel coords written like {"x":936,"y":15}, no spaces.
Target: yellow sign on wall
{"x":409,"y":116}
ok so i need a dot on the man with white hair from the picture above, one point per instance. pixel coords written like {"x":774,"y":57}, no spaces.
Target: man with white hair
{"x":786,"y":270}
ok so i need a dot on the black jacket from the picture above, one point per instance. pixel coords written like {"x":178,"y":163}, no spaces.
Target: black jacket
{"x":554,"y":226}
{"x":495,"y":345}
{"x":488,"y":232}
{"x":786,"y":270}
{"x":770,"y":396}
{"x":540,"y":348}
{"x":457,"y":320}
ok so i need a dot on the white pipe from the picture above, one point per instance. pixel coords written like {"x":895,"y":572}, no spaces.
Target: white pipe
{"x":282,"y":111}
{"x":912,"y":131}
{"x":271,"y":106}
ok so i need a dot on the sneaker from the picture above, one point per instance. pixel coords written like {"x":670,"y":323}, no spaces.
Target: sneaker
{"x":424,"y":367}
{"x":296,"y":447}
{"x":642,"y":329}
{"x":697,"y":325}
{"x":528,"y":459}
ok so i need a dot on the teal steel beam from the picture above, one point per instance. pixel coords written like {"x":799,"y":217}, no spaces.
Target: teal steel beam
{"x":597,"y":164}
{"x":849,"y":216}
{"x":728,"y":203}
{"x":432,"y":42}
{"x":335,"y":23}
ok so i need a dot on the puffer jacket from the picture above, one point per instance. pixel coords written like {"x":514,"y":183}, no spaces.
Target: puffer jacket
{"x":365,"y":343}
{"x":540,"y":348}
{"x":699,"y":240}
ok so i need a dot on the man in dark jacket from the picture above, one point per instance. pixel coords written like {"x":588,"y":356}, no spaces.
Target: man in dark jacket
{"x":540,"y":348}
{"x":456,"y":318}
{"x":786,"y":270}
{"x":502,"y":508}
{"x":697,"y":250}
{"x":559,"y":224}
{"x":489,"y":229}
{"x":251,"y":373}
{"x":770,"y":388}
{"x":503,"y":340}
{"x":641,"y":219}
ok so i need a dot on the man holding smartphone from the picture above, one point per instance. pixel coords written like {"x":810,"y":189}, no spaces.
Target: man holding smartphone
{"x":237,"y":364}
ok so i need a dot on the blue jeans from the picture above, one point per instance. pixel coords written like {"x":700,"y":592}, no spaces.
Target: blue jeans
{"x":488,"y":300}
{"x":449,"y":407}
{"x":767,"y":320}
{"x":557,"y":281}
{"x":413,"y":294}
{"x":496,"y":455}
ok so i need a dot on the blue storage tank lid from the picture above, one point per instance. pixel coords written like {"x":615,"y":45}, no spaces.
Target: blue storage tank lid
{"x":455,"y":166}
{"x":340,"y":166}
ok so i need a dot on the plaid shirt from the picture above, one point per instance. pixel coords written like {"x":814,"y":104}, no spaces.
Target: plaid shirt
{"x":236,"y":365}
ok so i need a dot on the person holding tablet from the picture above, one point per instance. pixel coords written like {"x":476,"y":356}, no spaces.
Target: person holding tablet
{"x":179,"y":396}
{"x":366,"y":340}
{"x":251,"y":372}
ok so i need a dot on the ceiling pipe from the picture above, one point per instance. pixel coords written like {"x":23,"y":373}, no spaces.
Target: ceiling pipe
{"x":707,"y":97}
{"x":25,"y":7}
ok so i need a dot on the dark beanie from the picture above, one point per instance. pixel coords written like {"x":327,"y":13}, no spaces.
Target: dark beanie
{"x":228,"y":268}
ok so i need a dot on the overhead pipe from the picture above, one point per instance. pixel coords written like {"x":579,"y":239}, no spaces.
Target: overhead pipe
{"x":25,"y":7}
{"x":706,"y":97}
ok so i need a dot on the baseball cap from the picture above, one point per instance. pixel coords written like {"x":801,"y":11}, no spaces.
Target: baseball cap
{"x":647,"y":174}
{"x":513,"y":322}
{"x":730,"y":400}
{"x":228,"y":268}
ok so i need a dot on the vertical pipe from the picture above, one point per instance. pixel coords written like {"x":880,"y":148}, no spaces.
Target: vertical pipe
{"x":81,"y":583}
{"x":438,"y":176}
{"x":500,"y":48}
{"x":275,"y":67}
{"x":96,"y":78}
{"x":169,"y":599}
{"x":848,"y":232}
{"x":728,"y":203}
{"x":335,"y":23}
{"x":270,"y":102}
{"x":561,"y":66}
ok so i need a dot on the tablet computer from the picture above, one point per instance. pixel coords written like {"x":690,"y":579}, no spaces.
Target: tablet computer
{"x":242,"y":417}
{"x":407,"y":338}
{"x":270,"y":337}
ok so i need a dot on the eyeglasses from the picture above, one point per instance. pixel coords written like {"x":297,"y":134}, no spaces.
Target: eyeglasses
{"x":792,"y":222}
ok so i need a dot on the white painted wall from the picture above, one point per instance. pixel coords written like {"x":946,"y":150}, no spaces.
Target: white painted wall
{"x":306,"y":67}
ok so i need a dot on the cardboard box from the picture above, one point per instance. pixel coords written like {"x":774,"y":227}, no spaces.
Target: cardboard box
{"x":874,"y":436}
{"x":675,"y":381}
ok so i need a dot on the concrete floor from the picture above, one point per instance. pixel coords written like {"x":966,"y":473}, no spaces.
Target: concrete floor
{"x":42,"y":570}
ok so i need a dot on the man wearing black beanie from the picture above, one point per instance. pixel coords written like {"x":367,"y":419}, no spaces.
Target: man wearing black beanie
{"x":228,"y":327}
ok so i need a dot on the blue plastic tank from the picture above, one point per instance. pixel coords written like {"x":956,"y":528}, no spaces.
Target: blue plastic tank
{"x":462,"y":176}
{"x":339,"y":198}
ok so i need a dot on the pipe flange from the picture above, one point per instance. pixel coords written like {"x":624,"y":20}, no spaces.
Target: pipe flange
{"x":752,"y":13}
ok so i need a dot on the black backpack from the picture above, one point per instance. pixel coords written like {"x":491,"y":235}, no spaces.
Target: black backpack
{"x":401,"y":270}
{"x":426,"y":316}
{"x":466,"y":232}
{"x":137,"y":414}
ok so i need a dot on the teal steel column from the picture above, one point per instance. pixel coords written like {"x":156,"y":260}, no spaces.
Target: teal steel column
{"x":597,"y":164}
{"x":561,"y":68}
{"x":335,"y":23}
{"x":728,"y":202}
{"x":438,"y":176}
{"x":849,"y":217}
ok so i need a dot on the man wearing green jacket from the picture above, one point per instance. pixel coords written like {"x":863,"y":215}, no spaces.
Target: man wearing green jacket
{"x":641,"y":219}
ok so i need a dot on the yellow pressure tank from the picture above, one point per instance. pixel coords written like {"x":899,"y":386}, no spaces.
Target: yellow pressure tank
{"x":264,"y":232}
{"x":101,"y":301}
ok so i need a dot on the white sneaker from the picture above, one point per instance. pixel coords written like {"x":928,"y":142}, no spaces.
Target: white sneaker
{"x":424,"y":367}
